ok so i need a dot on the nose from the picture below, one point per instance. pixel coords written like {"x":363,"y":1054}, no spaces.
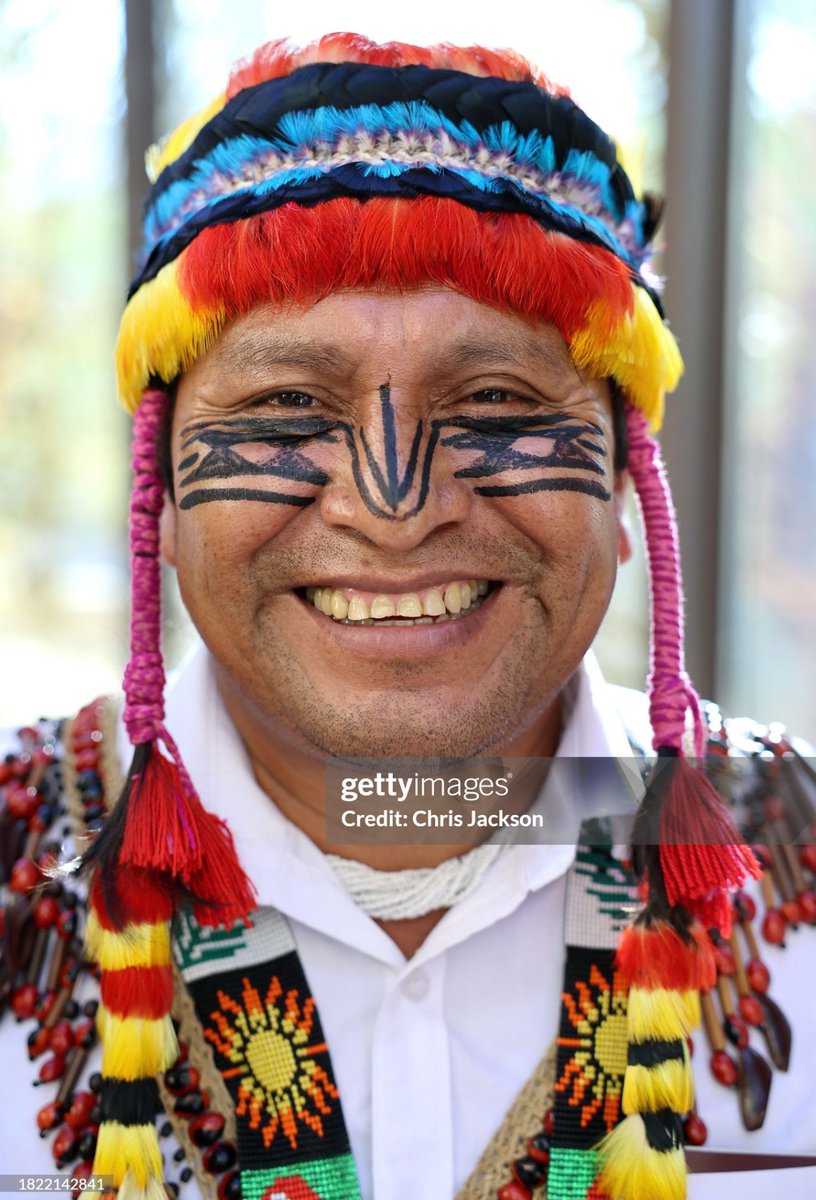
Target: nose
{"x":395,"y":485}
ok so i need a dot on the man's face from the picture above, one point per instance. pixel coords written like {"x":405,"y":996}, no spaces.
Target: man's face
{"x":384,"y":449}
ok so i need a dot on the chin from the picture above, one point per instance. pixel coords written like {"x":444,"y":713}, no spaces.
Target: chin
{"x":445,"y":735}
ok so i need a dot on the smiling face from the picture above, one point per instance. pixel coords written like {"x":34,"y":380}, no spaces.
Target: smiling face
{"x":396,"y":522}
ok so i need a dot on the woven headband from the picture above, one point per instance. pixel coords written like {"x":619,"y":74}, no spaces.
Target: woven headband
{"x":358,"y":130}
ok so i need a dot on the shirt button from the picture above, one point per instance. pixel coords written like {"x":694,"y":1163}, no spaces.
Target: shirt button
{"x":417,"y":985}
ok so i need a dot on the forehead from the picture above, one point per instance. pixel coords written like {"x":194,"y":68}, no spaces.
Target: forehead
{"x":428,"y":332}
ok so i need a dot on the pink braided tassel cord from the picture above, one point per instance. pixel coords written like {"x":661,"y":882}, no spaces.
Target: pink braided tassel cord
{"x":670,"y":689}
{"x":144,"y":674}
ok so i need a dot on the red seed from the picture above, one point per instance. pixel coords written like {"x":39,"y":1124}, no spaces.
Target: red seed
{"x":724,"y":1069}
{"x":64,"y":1145}
{"x":807,"y":906}
{"x":38,"y":1042}
{"x":46,"y":912}
{"x":745,"y":905}
{"x":79,"y":1113}
{"x":24,"y":1001}
{"x":206,"y":1128}
{"x":773,"y":927}
{"x":24,"y":875}
{"x":790,"y":908}
{"x":49,"y":1116}
{"x":758,"y":974}
{"x":724,"y":959}
{"x":751,"y":1009}
{"x":52,"y":1068}
{"x":85,"y":1033}
{"x":22,"y":802}
{"x":808,"y":856}
{"x":736,"y":1031}
{"x":514,"y":1191}
{"x":763,"y":854}
{"x":695,"y":1130}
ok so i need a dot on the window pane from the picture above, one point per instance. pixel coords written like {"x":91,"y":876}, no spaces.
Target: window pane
{"x":63,"y":470}
{"x":769,"y":632}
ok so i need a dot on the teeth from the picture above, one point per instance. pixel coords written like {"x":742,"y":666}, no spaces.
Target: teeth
{"x":432,"y":606}
{"x":453,"y":598}
{"x":409,"y":605}
{"x":358,"y":609}
{"x":382,"y":606}
{"x":339,"y":606}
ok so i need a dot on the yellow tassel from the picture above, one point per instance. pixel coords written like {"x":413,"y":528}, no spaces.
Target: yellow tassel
{"x":666,"y":1085}
{"x":161,"y":334}
{"x":154,"y":1190}
{"x":640,"y":352}
{"x":135,"y":946}
{"x":171,"y":147}
{"x":135,"y":1047}
{"x":632,"y":1170}
{"x":661,"y":1014}
{"x":131,"y":1150}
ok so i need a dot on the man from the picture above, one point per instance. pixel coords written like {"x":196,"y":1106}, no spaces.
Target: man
{"x":393,"y":353}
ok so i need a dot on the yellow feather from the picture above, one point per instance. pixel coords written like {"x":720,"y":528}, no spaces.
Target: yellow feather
{"x":160,"y":334}
{"x":667,"y":1085}
{"x":174,"y":144}
{"x":641,"y":353}
{"x":130,"y":1190}
{"x":145,"y":945}
{"x":135,"y":1047}
{"x":131,"y":1150}
{"x":661,"y":1013}
{"x":632,"y":1170}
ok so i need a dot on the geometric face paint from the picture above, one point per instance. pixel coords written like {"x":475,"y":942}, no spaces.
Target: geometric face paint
{"x":549,"y":452}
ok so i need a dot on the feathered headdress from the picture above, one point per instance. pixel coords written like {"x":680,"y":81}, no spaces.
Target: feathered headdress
{"x":354,"y":165}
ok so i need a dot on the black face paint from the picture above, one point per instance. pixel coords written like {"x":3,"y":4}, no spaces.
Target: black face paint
{"x":493,"y":438}
{"x":571,"y":446}
{"x":223,"y":460}
{"x":392,"y":488}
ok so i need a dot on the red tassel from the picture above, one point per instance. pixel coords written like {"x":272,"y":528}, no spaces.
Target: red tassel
{"x":161,"y":827}
{"x":168,"y":831}
{"x":713,"y":912}
{"x":223,"y":893}
{"x":701,"y":849}
{"x":656,"y":956}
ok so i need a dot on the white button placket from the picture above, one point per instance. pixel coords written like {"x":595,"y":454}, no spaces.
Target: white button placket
{"x":412,"y":1151}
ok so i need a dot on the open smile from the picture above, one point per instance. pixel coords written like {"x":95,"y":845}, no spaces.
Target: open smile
{"x":449,"y":601}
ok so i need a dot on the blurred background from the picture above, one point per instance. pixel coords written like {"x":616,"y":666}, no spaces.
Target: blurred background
{"x":715,"y":104}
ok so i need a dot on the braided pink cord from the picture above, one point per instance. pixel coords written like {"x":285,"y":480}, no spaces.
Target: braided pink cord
{"x":670,"y":690}
{"x":144,"y":675}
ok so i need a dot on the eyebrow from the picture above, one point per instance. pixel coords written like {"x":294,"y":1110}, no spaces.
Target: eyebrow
{"x":256,"y":353}
{"x":475,"y":352}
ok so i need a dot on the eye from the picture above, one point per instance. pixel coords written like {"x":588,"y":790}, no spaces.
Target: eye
{"x":492,"y":396}
{"x":290,"y":400}
{"x":500,"y":397}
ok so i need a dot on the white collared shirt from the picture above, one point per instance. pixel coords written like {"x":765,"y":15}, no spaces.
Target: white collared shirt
{"x":429,"y":1053}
